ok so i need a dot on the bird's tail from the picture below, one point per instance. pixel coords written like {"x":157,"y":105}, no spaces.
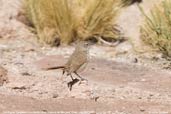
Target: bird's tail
{"x":56,"y":67}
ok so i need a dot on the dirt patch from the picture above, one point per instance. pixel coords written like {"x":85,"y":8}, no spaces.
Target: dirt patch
{"x":118,"y":81}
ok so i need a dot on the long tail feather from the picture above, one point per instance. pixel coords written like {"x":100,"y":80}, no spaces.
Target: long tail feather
{"x":56,"y":67}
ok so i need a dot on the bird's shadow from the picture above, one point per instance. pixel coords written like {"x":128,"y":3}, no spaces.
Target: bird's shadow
{"x":71,"y":83}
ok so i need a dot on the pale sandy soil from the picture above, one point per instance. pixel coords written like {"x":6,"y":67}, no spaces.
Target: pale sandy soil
{"x":117,"y":84}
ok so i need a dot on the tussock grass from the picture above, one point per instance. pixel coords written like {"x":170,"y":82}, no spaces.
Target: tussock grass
{"x":70,"y":20}
{"x":156,"y":30}
{"x":129,"y":2}
{"x":99,"y":16}
{"x":52,"y":19}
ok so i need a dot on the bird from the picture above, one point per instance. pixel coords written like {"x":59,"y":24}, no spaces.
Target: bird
{"x":76,"y":62}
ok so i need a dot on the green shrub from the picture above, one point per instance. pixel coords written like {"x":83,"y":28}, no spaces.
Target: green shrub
{"x":156,"y":30}
{"x":69,"y":20}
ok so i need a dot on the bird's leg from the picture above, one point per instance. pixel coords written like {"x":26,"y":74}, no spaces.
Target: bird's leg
{"x":82,"y":79}
{"x":63,"y":72}
{"x":71,"y":77}
{"x":71,"y":83}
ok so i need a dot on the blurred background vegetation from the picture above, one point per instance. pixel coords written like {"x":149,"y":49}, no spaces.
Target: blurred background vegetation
{"x":64,"y":21}
{"x":156,"y":30}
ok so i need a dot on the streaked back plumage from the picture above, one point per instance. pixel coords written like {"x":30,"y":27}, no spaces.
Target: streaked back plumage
{"x":78,"y":59}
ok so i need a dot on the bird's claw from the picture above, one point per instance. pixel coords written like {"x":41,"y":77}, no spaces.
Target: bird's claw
{"x":69,"y":86}
{"x":71,"y":83}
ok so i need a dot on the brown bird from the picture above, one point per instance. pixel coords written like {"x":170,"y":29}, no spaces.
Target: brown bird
{"x":76,"y":62}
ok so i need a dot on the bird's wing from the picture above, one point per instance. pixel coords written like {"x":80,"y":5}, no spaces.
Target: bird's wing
{"x":76,"y":61}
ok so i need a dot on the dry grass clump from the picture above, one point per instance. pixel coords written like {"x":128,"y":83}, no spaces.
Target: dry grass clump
{"x":156,"y":30}
{"x":69,"y":20}
{"x":129,"y":2}
{"x":51,"y":19}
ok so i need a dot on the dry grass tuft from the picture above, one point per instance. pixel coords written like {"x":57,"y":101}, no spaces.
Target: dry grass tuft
{"x":156,"y":30}
{"x":129,"y":2}
{"x":70,"y":20}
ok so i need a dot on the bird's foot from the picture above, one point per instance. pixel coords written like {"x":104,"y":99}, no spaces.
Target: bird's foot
{"x":71,"y":83}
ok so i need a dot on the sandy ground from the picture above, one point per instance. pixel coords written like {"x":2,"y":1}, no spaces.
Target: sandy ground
{"x":117,"y":82}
